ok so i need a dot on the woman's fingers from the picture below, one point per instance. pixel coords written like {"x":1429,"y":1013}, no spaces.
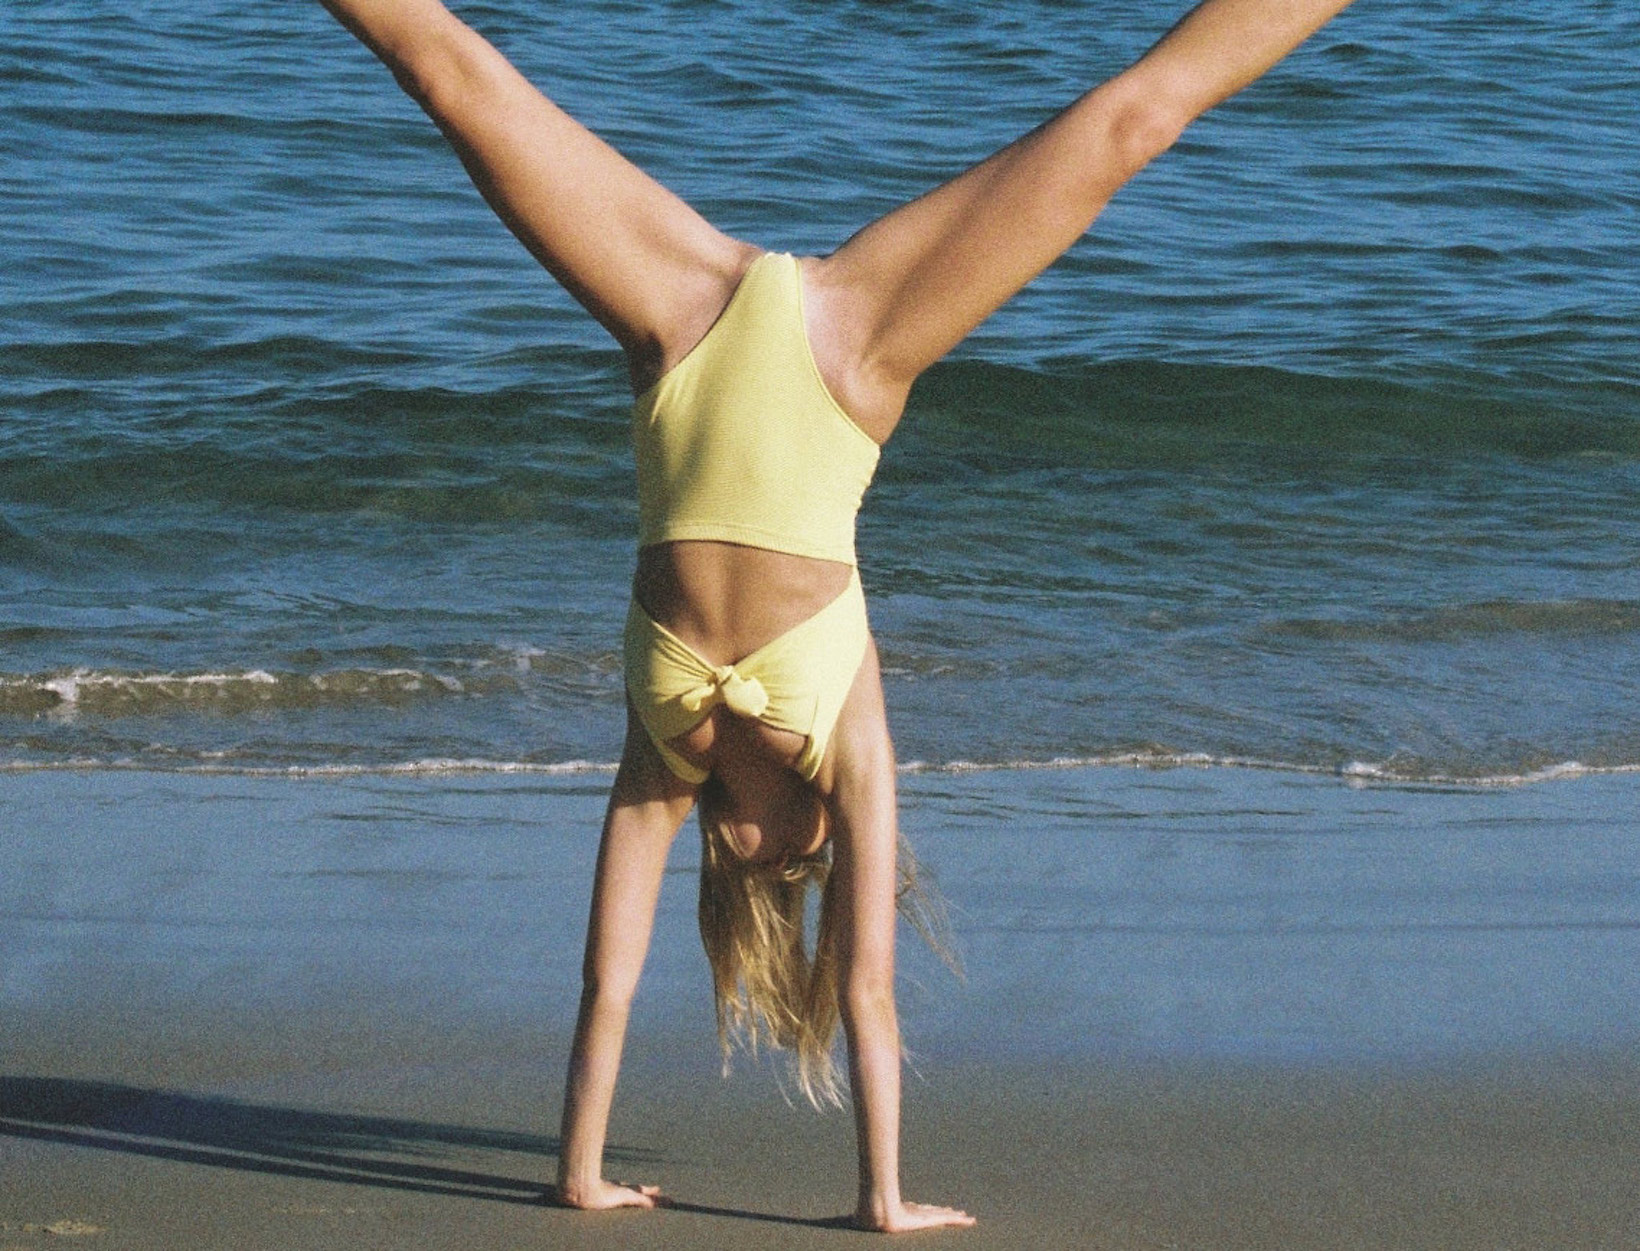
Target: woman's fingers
{"x":911,"y":1216}
{"x":634,"y":1196}
{"x":606,"y":1195}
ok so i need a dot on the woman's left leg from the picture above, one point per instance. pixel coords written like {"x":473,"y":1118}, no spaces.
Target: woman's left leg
{"x":909,"y":287}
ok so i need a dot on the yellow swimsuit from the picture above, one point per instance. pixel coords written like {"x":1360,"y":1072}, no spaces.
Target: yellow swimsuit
{"x":741,"y":442}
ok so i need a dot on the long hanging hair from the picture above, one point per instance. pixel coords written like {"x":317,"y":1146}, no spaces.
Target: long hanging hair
{"x":770,"y":988}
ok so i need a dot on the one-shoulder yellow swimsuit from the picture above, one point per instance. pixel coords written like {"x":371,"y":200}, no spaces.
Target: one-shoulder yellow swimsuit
{"x":742,"y":443}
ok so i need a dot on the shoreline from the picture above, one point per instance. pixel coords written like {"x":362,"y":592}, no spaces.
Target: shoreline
{"x":1356,"y":773}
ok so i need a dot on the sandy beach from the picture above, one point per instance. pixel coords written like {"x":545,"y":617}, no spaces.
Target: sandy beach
{"x":249,"y":1012}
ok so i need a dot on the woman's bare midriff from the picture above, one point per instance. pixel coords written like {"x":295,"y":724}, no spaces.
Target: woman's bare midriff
{"x":726,"y":600}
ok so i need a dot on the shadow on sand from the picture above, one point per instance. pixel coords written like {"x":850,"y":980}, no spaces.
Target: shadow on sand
{"x":383,"y":1152}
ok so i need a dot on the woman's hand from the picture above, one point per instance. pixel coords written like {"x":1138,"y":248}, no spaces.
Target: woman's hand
{"x":603,"y":1195}
{"x":905,"y":1217}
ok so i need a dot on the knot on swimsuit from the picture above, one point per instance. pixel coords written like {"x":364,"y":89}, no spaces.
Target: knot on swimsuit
{"x":796,"y":682}
{"x":745,"y":697}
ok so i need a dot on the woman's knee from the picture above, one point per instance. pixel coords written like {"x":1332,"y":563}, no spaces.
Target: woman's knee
{"x":1140,"y":125}
{"x":443,"y":66}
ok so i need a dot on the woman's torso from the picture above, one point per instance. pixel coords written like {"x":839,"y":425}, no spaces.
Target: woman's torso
{"x":750,"y":474}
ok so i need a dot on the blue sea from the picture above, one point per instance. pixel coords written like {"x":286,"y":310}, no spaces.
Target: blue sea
{"x":1321,"y":452}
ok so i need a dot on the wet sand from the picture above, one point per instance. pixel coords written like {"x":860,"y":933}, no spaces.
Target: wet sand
{"x":450,"y":1152}
{"x":248,"y":1013}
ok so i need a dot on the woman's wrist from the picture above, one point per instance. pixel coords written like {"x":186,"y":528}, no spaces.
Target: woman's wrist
{"x":877,"y":1205}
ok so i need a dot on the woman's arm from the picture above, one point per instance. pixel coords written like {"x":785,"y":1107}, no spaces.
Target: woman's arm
{"x":866,"y":834}
{"x":909,"y":287}
{"x":646,"y":806}
{"x":651,"y":270}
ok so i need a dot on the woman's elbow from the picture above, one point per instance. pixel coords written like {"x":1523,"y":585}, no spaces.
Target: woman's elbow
{"x":867,"y":1002}
{"x":606,"y":992}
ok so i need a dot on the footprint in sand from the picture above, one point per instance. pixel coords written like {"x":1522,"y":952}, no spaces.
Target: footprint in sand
{"x":57,"y":1229}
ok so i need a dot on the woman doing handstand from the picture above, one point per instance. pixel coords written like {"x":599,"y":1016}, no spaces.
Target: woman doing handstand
{"x":766,"y":385}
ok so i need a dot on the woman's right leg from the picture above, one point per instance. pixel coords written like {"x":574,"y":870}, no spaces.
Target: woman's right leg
{"x":651,"y":270}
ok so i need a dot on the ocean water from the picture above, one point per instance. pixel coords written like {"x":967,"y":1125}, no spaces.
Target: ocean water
{"x":1320,"y":452}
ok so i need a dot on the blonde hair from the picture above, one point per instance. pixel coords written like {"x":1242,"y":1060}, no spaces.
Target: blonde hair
{"x":769,"y":988}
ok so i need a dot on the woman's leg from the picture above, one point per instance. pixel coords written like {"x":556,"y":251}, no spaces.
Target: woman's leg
{"x":908,"y":288}
{"x":641,"y":261}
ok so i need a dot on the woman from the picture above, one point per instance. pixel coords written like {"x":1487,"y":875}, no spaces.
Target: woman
{"x":766,"y":385}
